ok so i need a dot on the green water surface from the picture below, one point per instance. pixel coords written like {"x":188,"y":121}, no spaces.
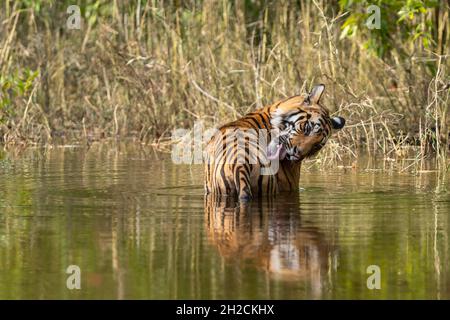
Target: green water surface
{"x":139,"y":227}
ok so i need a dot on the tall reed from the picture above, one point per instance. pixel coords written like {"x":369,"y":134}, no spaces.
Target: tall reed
{"x":143,"y":68}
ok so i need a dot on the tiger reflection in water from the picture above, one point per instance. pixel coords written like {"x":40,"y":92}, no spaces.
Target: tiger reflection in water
{"x":268,"y":235}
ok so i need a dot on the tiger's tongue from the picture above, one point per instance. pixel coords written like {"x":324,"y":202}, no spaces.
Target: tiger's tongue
{"x":280,"y":153}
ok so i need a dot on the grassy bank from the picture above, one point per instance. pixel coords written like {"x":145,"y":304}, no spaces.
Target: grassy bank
{"x":142,"y":68}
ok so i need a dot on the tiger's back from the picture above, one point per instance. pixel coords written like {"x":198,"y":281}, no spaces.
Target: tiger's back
{"x":233,"y":170}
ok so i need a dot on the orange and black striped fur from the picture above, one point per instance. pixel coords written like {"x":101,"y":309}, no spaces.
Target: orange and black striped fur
{"x":236,"y":154}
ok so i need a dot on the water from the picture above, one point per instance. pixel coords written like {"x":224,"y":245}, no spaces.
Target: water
{"x":139,"y":227}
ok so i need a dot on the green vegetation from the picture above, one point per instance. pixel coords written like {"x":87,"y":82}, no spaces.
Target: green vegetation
{"x":142,"y":68}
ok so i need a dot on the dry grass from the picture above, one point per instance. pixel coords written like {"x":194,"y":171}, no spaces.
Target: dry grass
{"x":142,"y":70}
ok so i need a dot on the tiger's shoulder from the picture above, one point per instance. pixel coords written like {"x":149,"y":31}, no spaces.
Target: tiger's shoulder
{"x":261,"y":118}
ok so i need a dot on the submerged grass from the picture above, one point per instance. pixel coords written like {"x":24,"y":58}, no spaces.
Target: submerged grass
{"x":141,"y":69}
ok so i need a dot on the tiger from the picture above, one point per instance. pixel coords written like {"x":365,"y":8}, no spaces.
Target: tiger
{"x":284,"y":133}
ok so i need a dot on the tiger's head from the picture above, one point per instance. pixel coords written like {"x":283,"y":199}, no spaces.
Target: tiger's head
{"x":304,"y":126}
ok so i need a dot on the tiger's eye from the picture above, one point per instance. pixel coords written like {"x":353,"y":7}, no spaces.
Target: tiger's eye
{"x":317,"y":128}
{"x":307,"y":128}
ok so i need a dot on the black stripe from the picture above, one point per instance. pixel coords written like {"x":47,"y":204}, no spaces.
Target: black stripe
{"x":260,"y":180}
{"x":246,"y":120}
{"x":237,"y":181}
{"x":256,"y":123}
{"x":225,"y":182}
{"x":264,"y":120}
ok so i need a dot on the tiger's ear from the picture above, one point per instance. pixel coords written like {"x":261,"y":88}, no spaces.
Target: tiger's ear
{"x":315,"y":94}
{"x":337,"y":123}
